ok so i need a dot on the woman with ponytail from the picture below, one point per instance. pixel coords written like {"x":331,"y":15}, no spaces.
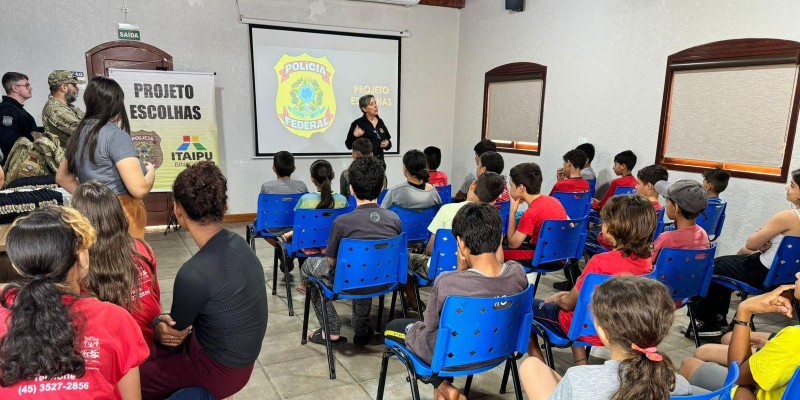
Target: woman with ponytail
{"x":124,"y":271}
{"x":54,"y":342}
{"x":632,"y":316}
{"x":321,"y":176}
{"x":416,"y":192}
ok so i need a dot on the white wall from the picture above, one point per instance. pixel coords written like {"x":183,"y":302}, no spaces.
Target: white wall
{"x":205,"y":35}
{"x":606,"y":62}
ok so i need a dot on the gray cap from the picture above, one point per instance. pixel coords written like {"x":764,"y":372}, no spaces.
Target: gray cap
{"x":689,"y":195}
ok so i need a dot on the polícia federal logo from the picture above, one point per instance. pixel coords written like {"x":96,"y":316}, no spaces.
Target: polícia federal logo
{"x":305,"y":102}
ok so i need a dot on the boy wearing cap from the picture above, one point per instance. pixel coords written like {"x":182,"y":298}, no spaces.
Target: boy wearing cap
{"x":59,"y":116}
{"x":686,"y":199}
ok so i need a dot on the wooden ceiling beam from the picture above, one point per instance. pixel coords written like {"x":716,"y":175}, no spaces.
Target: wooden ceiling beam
{"x":444,"y":3}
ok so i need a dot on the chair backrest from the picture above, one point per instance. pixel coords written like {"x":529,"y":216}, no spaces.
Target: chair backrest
{"x":381,"y":195}
{"x":723,"y":393}
{"x":560,"y":240}
{"x":351,"y":202}
{"x":371,"y":263}
{"x":792,"y":391}
{"x":275,"y":211}
{"x":504,"y":207}
{"x":478,"y":331}
{"x":659,"y":223}
{"x":445,"y":193}
{"x":583,"y":318}
{"x":312,"y":227}
{"x":687,"y":273}
{"x":444,"y":256}
{"x":786,"y":262}
{"x":415,"y":221}
{"x":714,"y":218}
{"x":577,"y":204}
{"x":592,"y":186}
{"x":621,"y":190}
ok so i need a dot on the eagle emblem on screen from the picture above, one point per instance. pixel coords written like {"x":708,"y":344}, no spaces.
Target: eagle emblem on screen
{"x":305,"y":102}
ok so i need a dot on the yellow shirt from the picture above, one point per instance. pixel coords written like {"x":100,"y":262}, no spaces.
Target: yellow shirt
{"x":774,"y":365}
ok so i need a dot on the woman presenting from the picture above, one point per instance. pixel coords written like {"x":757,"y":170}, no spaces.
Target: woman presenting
{"x":370,"y":126}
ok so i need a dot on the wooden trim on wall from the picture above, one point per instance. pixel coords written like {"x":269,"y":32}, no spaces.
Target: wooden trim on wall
{"x":248,"y":217}
{"x":444,"y":3}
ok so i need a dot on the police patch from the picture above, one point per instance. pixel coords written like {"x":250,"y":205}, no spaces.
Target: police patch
{"x":374,"y":216}
{"x":8,"y":120}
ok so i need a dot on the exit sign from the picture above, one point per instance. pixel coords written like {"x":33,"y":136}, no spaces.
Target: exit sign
{"x":129,"y":32}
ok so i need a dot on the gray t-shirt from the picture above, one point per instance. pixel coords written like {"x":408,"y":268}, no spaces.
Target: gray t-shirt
{"x":367,"y":221}
{"x":284,"y":186}
{"x":406,"y":196}
{"x":588,"y":173}
{"x":600,"y":382}
{"x":471,"y":177}
{"x":113,"y":145}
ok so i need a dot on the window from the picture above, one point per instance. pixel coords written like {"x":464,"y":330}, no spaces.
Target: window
{"x":513,"y":100}
{"x":731,"y":104}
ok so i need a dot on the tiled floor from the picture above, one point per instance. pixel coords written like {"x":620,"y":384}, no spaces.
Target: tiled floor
{"x":288,"y":370}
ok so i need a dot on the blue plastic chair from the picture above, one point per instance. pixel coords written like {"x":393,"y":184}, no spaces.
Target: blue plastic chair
{"x":504,"y":207}
{"x":475,"y":335}
{"x":785,"y":266}
{"x":687,"y":274}
{"x":445,"y":193}
{"x":444,"y":258}
{"x":659,"y":223}
{"x":594,"y":216}
{"x":416,"y":221}
{"x":559,"y":241}
{"x":381,"y":195}
{"x":713,"y":219}
{"x":364,"y":269}
{"x":592,"y":186}
{"x":792,"y":391}
{"x":577,"y":204}
{"x":723,"y":393}
{"x":312,"y":228}
{"x":275,"y":212}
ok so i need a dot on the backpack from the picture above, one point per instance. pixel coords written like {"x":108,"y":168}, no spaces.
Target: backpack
{"x":37,"y":158}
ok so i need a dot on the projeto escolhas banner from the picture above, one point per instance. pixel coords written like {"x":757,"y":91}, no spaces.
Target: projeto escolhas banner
{"x":173,"y":119}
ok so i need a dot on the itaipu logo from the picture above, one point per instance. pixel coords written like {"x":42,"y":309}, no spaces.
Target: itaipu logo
{"x":305,"y":101}
{"x":185,"y":153}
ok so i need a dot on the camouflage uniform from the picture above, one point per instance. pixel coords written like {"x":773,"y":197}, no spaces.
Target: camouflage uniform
{"x":59,"y":119}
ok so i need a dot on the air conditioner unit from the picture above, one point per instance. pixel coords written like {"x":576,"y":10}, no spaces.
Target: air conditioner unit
{"x":395,"y":2}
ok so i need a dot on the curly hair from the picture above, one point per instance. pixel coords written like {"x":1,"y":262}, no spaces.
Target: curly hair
{"x":42,"y":338}
{"x":201,"y":189}
{"x":631,"y":220}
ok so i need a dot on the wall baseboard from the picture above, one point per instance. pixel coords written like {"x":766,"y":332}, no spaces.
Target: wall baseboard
{"x":249,"y":217}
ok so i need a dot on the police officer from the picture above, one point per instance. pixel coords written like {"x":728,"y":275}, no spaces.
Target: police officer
{"x":59,"y":116}
{"x":15,"y":122}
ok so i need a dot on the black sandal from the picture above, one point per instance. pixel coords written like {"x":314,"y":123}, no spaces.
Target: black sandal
{"x":317,"y":338}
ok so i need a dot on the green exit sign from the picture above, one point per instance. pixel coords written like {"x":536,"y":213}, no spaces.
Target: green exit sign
{"x":129,"y":32}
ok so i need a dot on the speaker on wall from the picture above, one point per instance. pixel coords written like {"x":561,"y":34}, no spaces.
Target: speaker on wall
{"x":515,"y":5}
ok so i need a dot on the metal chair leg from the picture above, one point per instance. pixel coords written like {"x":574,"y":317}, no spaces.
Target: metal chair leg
{"x":380,"y":314}
{"x":288,"y":289}
{"x":328,"y":349}
{"x":304,"y":334}
{"x":384,"y":370}
{"x":515,"y":377}
{"x":693,"y":322}
{"x":504,"y":381}
{"x":467,"y":385}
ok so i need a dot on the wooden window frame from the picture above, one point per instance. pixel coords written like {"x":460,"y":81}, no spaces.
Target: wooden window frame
{"x":727,"y":54}
{"x":519,"y":71}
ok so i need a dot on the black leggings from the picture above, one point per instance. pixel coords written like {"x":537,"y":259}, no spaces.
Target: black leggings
{"x":395,"y":331}
{"x":747,"y":269}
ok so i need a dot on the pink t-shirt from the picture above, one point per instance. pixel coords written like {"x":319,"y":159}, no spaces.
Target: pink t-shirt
{"x":690,"y":238}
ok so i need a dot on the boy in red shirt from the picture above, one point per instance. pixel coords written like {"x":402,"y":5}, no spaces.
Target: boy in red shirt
{"x":646,"y":181}
{"x":686,"y":199}
{"x":569,"y":177}
{"x":629,"y":223}
{"x":623,"y":166}
{"x":433,"y":156}
{"x":492,"y":161}
{"x":526,"y":184}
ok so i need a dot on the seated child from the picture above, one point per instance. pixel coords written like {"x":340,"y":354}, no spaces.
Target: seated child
{"x":479,"y":231}
{"x":434,"y":157}
{"x":686,"y":199}
{"x":324,"y":198}
{"x":484,"y":190}
{"x":623,"y":166}
{"x":569,"y":176}
{"x":362,"y":147}
{"x":416,"y":192}
{"x":765,"y":374}
{"x":629,"y":223}
{"x":492,"y":161}
{"x":283,"y":167}
{"x":715,"y":180}
{"x":632,"y":315}
{"x":480,"y":148}
{"x":367,"y":221}
{"x":587,"y":172}
{"x":526,"y":185}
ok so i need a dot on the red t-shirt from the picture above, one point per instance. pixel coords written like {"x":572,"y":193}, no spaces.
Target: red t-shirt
{"x":541,"y":209}
{"x":611,"y":263}
{"x":111,"y":345}
{"x":625,"y":181}
{"x":571,"y":185}
{"x":437,"y":178}
{"x":690,"y":238}
{"x":149,"y":291}
{"x":503,"y":196}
